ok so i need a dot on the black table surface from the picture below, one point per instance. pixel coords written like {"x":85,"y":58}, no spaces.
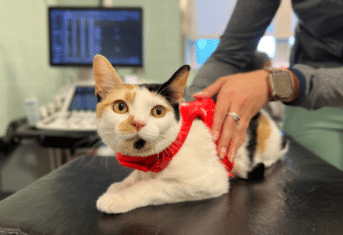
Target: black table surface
{"x":53,"y":138}
{"x":300,"y":195}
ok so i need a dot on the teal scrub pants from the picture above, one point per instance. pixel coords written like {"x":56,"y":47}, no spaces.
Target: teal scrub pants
{"x":320,"y":131}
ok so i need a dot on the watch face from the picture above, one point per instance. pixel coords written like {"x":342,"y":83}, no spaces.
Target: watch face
{"x":282,"y":85}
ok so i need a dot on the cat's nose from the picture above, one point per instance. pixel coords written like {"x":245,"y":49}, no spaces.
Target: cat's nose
{"x":138,"y":124}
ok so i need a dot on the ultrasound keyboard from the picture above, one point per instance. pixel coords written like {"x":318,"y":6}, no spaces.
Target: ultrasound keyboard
{"x":77,"y":113}
{"x":75,"y":121}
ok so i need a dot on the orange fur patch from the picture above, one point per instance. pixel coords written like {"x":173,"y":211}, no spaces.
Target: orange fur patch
{"x":130,"y":96}
{"x":264,"y":130}
{"x":126,"y":93}
{"x":125,"y":127}
{"x":179,"y":84}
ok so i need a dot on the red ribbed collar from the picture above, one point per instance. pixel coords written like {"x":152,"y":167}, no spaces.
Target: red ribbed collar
{"x":203,"y":109}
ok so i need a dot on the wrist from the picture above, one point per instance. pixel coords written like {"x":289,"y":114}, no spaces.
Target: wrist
{"x":283,"y":85}
{"x":296,"y":86}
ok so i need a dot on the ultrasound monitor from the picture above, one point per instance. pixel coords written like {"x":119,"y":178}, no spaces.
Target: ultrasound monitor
{"x":83,"y":99}
{"x":78,"y":34}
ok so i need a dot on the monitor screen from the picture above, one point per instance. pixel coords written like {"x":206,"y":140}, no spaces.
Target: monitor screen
{"x":78,"y":34}
{"x":83,"y":99}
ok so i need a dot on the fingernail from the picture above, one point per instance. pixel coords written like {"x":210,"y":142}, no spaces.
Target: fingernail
{"x":215,"y":135}
{"x":198,"y":94}
{"x":222,"y":152}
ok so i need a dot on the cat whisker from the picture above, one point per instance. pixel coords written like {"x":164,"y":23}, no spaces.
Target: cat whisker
{"x":108,"y":127}
{"x":108,"y":133}
{"x":115,"y":139}
{"x":90,"y":162}
{"x":106,"y":162}
{"x":108,"y":124}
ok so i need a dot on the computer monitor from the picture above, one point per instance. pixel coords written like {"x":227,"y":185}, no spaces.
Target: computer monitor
{"x":77,"y":34}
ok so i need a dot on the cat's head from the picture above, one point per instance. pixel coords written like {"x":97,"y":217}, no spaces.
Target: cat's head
{"x":137,"y":120}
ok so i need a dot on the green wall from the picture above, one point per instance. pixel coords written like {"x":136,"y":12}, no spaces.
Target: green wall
{"x":24,"y":66}
{"x":24,"y":70}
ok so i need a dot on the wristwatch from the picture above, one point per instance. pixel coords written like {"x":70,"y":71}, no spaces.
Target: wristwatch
{"x":279,"y":84}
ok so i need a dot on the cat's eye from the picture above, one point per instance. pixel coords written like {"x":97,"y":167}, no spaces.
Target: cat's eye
{"x":158,"y":111}
{"x":120,"y":107}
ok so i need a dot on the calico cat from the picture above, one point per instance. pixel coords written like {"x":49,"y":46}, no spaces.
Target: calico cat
{"x":140,"y":121}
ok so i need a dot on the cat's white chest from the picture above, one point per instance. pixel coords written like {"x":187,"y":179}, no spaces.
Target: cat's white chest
{"x":197,"y":164}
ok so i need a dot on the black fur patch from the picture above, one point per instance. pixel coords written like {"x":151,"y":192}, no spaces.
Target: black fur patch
{"x":252,"y":130}
{"x":139,"y":144}
{"x":283,"y":143}
{"x":257,"y":173}
{"x":98,"y":97}
{"x":167,"y":93}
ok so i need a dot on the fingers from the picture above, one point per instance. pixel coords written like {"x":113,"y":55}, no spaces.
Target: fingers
{"x":232,"y":136}
{"x":237,"y":141}
{"x":220,"y":114}
{"x":226,"y":135}
{"x":232,"y":132}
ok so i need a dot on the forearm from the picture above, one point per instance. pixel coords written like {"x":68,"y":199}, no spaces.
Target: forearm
{"x":238,"y":42}
{"x":247,"y":25}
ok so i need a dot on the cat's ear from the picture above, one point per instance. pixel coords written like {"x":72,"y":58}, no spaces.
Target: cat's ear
{"x":178,"y":82}
{"x":105,"y":76}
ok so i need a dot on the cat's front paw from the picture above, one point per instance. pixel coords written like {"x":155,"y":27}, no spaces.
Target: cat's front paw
{"x":116,"y":187}
{"x":113,"y":204}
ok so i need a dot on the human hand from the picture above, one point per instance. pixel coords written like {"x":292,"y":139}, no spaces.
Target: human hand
{"x":244,"y":94}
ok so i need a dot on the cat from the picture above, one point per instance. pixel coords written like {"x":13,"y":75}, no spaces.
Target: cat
{"x":143,"y":120}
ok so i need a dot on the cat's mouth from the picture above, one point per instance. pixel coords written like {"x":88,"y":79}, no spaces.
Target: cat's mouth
{"x":139,"y":144}
{"x":136,"y":146}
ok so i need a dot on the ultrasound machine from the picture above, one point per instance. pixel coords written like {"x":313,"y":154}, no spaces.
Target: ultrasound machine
{"x":76,"y":35}
{"x":77,"y":113}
